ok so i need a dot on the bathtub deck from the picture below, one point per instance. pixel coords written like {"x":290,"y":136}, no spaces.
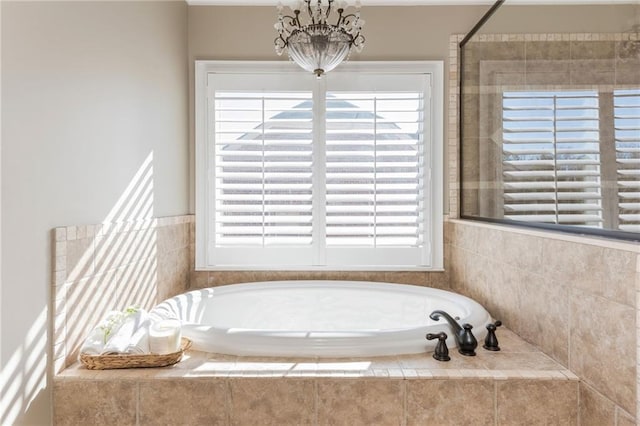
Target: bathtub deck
{"x":517,"y":381}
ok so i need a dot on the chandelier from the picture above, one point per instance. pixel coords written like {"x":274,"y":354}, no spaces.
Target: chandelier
{"x":319,"y":46}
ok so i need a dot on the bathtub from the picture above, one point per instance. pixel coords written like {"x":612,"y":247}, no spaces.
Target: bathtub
{"x":318,"y":318}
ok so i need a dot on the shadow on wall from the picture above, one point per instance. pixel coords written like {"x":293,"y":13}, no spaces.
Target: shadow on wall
{"x":114,"y":268}
{"x":96,"y":269}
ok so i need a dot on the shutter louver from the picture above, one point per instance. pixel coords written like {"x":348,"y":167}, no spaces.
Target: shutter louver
{"x":374,"y":169}
{"x":551,"y":157}
{"x":263,"y":175}
{"x":627,"y":137}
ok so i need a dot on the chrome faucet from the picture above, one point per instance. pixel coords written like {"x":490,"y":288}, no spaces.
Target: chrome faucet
{"x":467,"y":342}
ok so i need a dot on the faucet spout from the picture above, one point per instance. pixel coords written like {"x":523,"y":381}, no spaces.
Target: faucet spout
{"x":435,"y":315}
{"x":467,"y":342}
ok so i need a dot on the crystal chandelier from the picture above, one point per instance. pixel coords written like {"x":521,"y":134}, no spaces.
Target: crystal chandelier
{"x":319,"y":46}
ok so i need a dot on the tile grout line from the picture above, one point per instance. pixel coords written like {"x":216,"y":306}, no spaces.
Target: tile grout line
{"x":579,"y":403}
{"x":228,"y":400}
{"x":495,"y":402}
{"x":316,"y":390}
{"x":137,"y":402}
{"x":404,"y":391}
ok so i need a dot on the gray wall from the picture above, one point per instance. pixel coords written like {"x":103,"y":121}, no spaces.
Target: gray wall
{"x":91,"y":89}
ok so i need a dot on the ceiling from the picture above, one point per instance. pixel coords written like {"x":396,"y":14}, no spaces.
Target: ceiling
{"x":409,"y":2}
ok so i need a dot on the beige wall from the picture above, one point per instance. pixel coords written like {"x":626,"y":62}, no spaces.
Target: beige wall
{"x":398,"y":33}
{"x":562,"y":19}
{"x":91,"y":90}
{"x":393,"y":33}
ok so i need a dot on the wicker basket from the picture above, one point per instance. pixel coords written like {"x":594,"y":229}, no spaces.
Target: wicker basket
{"x":108,"y":362}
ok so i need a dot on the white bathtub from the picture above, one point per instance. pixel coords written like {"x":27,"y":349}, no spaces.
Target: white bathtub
{"x":319,"y":318}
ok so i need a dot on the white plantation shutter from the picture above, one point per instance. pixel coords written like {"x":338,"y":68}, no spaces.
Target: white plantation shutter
{"x":627,"y":137}
{"x":261,"y":136}
{"x":551,"y":157}
{"x":375,"y":169}
{"x":298,"y":172}
{"x":264,"y":153}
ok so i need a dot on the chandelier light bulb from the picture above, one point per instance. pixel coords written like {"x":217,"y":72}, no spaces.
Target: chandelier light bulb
{"x":324,"y":39}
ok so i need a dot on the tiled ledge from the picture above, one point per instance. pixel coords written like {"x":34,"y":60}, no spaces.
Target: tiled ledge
{"x":518,"y":385}
{"x":554,"y":235}
{"x":516,"y":360}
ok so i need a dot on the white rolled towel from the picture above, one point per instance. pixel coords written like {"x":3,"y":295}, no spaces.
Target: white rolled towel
{"x":139,"y":343}
{"x":95,"y":341}
{"x":122,"y":337}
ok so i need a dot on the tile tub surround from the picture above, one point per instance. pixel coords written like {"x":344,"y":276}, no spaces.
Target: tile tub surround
{"x":567,"y":282}
{"x":507,"y":387}
{"x":204,"y":279}
{"x":98,"y":268}
{"x":571,"y":296}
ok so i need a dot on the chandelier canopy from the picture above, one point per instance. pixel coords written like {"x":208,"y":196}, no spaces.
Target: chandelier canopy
{"x":319,"y":46}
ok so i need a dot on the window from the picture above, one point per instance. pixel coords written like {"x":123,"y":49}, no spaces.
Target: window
{"x":551,"y":157}
{"x":627,"y":137}
{"x":295,"y":172}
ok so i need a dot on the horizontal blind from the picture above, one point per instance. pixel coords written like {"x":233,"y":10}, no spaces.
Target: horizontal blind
{"x":263,"y":175}
{"x":551,"y":157}
{"x":627,"y":138}
{"x":374,"y":168}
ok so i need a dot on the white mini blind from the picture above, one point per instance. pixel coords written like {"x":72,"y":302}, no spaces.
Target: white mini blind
{"x":374,"y":168}
{"x":263,"y":174}
{"x":627,"y":137}
{"x":551,"y":157}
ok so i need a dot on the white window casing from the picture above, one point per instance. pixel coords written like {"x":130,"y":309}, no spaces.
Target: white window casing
{"x":339,"y":173}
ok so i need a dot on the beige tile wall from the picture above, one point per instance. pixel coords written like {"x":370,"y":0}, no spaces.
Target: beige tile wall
{"x":208,"y":388}
{"x":203,"y":279}
{"x":98,"y":268}
{"x":574,"y":297}
{"x":315,"y":401}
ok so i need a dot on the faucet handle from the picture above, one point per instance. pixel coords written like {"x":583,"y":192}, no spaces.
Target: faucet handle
{"x":441,"y":352}
{"x":494,"y":325}
{"x":491,"y":341}
{"x":467,"y":342}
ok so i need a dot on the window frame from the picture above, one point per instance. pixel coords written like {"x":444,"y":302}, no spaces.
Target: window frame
{"x":434,"y":154}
